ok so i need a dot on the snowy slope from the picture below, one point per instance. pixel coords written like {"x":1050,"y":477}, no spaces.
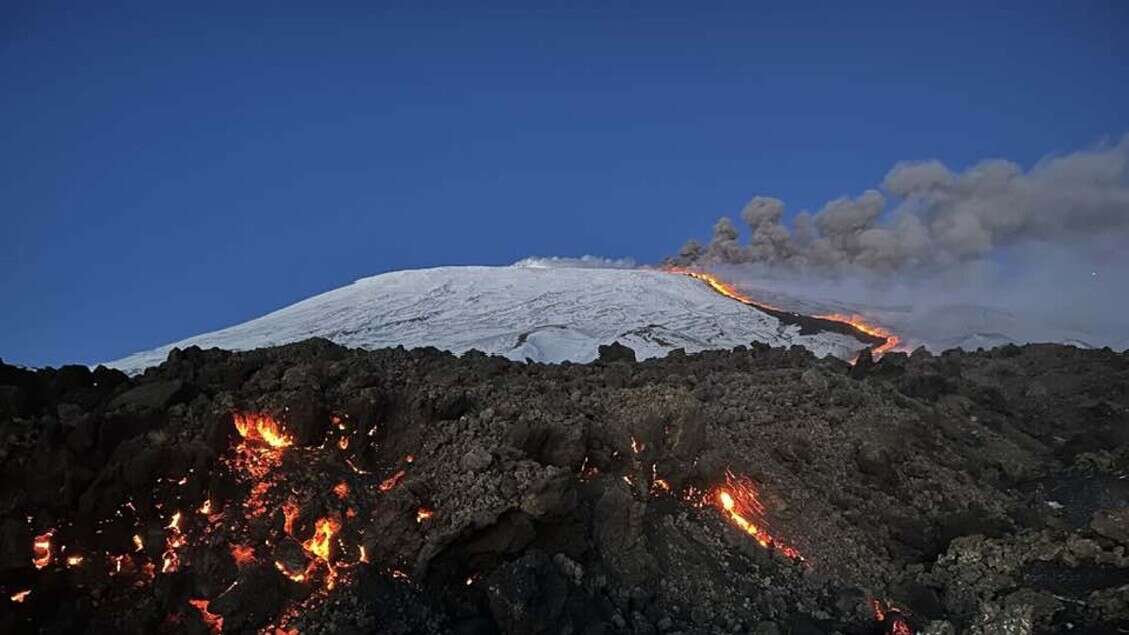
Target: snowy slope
{"x":544,"y":314}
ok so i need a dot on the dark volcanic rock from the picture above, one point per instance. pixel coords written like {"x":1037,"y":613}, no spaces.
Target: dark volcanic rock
{"x":155,"y":395}
{"x":427,"y":493}
{"x":616,"y":352}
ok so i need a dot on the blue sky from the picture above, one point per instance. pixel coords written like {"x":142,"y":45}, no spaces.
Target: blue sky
{"x":170,"y":171}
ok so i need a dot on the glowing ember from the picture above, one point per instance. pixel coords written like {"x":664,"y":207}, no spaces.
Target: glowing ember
{"x":879,"y":613}
{"x":261,"y":427}
{"x":423,"y":514}
{"x":137,"y":544}
{"x":341,"y":490}
{"x":170,"y":562}
{"x":898,"y":625}
{"x":289,"y":515}
{"x":739,"y":500}
{"x":74,"y":561}
{"x":41,"y":549}
{"x":658,"y":485}
{"x":19,"y":596}
{"x":206,"y":508}
{"x":214,"y":622}
{"x":343,"y":443}
{"x":364,"y":555}
{"x":319,"y":543}
{"x":243,"y":554}
{"x":637,"y":447}
{"x":392,"y":481}
{"x":297,"y":576}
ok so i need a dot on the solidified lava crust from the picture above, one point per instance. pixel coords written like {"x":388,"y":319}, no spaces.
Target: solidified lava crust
{"x":312,"y":488}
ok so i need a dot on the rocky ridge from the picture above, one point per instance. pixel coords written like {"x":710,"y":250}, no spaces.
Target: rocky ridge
{"x":967,"y":492}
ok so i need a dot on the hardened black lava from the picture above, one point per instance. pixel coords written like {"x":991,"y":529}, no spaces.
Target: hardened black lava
{"x":312,"y":488}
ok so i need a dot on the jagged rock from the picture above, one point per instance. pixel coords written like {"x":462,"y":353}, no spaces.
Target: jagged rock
{"x":14,"y":540}
{"x":476,"y":459}
{"x":253,"y":602}
{"x":814,"y":379}
{"x":1112,"y":523}
{"x":552,"y":497}
{"x":618,"y":521}
{"x":863,"y":363}
{"x":527,"y":595}
{"x":155,"y":395}
{"x":615,"y":352}
{"x":456,"y":471}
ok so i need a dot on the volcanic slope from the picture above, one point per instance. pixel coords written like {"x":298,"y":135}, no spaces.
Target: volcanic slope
{"x":318,"y":489}
{"x":543,"y":314}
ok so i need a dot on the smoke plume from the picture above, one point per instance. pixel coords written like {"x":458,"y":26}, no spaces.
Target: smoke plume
{"x":925,"y":217}
{"x":1035,"y":255}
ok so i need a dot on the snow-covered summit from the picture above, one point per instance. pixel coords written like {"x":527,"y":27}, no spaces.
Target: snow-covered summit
{"x":547,"y":314}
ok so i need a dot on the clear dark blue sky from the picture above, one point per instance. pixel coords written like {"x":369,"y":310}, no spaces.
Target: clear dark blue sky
{"x":168,"y":172}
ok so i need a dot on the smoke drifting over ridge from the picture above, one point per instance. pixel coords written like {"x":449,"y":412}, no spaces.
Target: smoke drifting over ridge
{"x":925,"y":217}
{"x":1012,"y":255}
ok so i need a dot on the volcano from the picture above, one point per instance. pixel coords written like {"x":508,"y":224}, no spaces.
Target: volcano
{"x":544,"y":314}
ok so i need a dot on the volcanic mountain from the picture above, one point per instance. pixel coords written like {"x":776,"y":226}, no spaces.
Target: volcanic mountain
{"x":545,"y":314}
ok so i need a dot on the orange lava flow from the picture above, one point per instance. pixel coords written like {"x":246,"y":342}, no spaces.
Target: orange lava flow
{"x":739,"y":501}
{"x":860,"y":323}
{"x":857,"y":321}
{"x":724,"y":288}
{"x":214,"y":622}
{"x":261,"y":427}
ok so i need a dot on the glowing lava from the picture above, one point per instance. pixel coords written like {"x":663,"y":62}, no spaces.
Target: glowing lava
{"x":739,"y":501}
{"x":859,"y":322}
{"x":19,"y":596}
{"x":423,"y":514}
{"x":214,"y":622}
{"x":341,"y":490}
{"x":724,"y":288}
{"x":261,"y":427}
{"x":392,"y":481}
{"x":41,"y":549}
{"x":319,"y":543}
{"x":243,"y":554}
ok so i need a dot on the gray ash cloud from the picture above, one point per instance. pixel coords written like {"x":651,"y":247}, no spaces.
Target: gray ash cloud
{"x":926,"y":217}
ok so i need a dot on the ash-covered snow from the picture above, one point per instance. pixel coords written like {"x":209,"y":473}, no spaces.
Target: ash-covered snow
{"x":547,"y":314}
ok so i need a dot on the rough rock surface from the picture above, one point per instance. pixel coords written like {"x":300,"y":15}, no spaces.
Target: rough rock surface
{"x":974,"y":492}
